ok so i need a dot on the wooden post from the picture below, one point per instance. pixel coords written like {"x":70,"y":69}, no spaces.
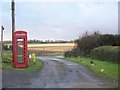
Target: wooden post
{"x":13,"y":23}
{"x":2,"y":28}
{"x":1,"y":39}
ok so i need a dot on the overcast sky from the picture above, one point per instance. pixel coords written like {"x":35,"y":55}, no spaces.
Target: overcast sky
{"x":61,"y":20}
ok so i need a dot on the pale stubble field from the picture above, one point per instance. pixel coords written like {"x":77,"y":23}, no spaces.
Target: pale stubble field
{"x":50,"y":48}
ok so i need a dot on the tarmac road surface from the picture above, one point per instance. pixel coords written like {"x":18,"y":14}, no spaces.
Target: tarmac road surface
{"x":56,"y":73}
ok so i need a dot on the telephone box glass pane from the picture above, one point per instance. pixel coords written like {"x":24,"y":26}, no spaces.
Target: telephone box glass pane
{"x":20,"y":50}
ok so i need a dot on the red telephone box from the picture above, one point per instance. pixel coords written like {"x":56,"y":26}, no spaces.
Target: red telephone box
{"x":20,"y":59}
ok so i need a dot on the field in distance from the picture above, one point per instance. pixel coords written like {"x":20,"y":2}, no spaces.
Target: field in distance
{"x":51,"y":44}
{"x":55,"y":47}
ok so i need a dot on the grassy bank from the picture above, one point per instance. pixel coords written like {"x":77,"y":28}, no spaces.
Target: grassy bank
{"x":101,"y":68}
{"x":7,"y":58}
{"x":32,"y":67}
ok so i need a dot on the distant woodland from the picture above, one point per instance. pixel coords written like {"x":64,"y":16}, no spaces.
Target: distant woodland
{"x":46,"y":41}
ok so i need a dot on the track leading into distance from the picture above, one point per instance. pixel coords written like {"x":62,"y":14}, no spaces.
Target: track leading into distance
{"x":57,"y":73}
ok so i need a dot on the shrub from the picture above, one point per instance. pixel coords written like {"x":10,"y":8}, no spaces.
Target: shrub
{"x":107,"y":53}
{"x":72,"y":53}
{"x":5,"y":47}
{"x":109,"y":39}
{"x":7,"y":57}
{"x":88,"y":42}
{"x":67,"y":54}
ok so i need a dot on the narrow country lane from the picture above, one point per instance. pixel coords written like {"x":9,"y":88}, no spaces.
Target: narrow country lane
{"x":56,"y":73}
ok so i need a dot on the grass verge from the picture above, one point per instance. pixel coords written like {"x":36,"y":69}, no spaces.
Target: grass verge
{"x":9,"y":66}
{"x":100,"y":68}
{"x":31,"y":68}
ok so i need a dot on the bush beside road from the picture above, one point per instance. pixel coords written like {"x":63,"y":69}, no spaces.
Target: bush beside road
{"x":107,"y":53}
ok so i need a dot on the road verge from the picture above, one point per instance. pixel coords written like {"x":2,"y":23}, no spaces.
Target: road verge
{"x":100,"y":68}
{"x":8,"y":65}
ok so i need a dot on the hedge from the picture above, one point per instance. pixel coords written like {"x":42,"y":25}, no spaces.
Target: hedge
{"x":107,"y":53}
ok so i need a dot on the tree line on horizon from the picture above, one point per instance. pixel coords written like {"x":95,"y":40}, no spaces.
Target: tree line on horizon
{"x":43,"y":42}
{"x":50,"y":41}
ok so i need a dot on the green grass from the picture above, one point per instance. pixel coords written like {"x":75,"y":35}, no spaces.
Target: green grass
{"x":9,"y":65}
{"x":110,"y":69}
{"x":32,"y":67}
{"x":7,"y":56}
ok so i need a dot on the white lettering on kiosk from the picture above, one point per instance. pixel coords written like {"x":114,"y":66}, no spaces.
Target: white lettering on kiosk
{"x":20,"y":34}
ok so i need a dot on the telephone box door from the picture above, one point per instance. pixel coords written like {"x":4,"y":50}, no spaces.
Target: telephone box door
{"x":20,"y":49}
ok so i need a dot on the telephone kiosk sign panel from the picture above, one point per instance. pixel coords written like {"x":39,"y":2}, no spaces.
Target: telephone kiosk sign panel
{"x":20,"y":52}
